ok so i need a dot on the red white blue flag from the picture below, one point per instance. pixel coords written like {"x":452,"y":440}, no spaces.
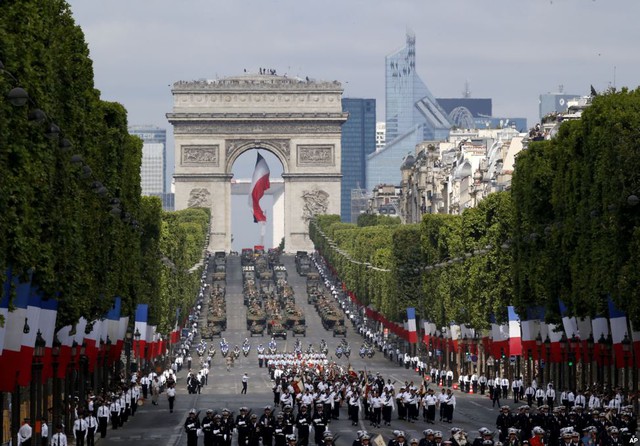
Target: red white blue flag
{"x":259,"y":184}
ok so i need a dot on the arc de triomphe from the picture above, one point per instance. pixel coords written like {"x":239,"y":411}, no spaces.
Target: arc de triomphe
{"x":215,"y":121}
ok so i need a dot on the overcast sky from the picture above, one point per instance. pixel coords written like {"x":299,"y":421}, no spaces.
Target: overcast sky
{"x":508,"y":50}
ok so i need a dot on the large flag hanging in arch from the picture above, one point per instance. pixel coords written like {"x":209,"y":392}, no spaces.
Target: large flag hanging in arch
{"x":259,"y":184}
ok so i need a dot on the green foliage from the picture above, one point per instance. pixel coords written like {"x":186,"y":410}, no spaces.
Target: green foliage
{"x":182,"y":237}
{"x":376,"y":220}
{"x":575,"y":234}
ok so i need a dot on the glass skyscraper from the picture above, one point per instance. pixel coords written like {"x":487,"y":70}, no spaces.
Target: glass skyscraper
{"x":412,"y":116}
{"x":358,"y":140}
{"x":154,"y":158}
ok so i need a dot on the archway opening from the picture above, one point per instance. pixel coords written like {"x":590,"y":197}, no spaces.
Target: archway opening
{"x":245,"y":233}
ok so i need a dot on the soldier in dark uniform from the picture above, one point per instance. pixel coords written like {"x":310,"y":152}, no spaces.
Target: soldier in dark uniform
{"x":303,"y":421}
{"x":320,"y":421}
{"x":289,"y":420}
{"x":191,"y":426}
{"x":218,"y":431}
{"x":428,"y":439}
{"x":504,"y":422}
{"x":228,"y":425}
{"x":267,"y":422}
{"x":279,"y":431}
{"x":254,"y":432}
{"x":242,"y":425}
{"x":207,"y":428}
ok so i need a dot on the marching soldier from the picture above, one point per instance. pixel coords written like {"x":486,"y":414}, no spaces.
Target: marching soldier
{"x":254,"y":431}
{"x":320,"y":421}
{"x":267,"y":422}
{"x":207,"y":428}
{"x":303,"y":421}
{"x":103,"y":418}
{"x":242,"y":424}
{"x":191,"y":426}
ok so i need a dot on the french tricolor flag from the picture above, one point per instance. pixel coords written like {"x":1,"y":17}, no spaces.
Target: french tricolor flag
{"x":113,"y":327}
{"x":530,"y":329}
{"x":600,"y":327}
{"x":259,"y":184}
{"x":515,"y":338}
{"x":411,"y":325}
{"x":4,"y":307}
{"x":142,"y":316}
{"x":151,"y":339}
{"x":15,"y":326}
{"x":92,"y":343}
{"x":569,"y":323}
{"x":66,"y":340}
{"x":618,"y":321}
{"x":48,"y":316}
{"x":29,"y":339}
{"x":635,"y":337}
{"x":455,"y":332}
{"x":499,"y":338}
{"x":555,"y":332}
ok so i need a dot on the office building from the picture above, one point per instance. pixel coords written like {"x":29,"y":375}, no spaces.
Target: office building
{"x":358,"y":140}
{"x":555,"y":103}
{"x":381,"y":135}
{"x":412,"y":115}
{"x":153,"y":171}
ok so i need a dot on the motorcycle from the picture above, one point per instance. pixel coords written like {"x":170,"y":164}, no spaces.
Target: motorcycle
{"x":347,"y":351}
{"x":310,"y":349}
{"x":236,"y":352}
{"x":260,"y":349}
{"x":339,"y":352}
{"x":224,"y":348}
{"x":297,"y":348}
{"x":273,"y":347}
{"x":363,"y":352}
{"x":212,"y":352}
{"x":370,"y":352}
{"x":200,"y":352}
{"x":246,"y":348}
{"x":323,"y":347}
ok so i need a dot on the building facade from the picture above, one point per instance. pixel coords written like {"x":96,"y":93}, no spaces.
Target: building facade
{"x":154,"y":158}
{"x":381,"y":135}
{"x":448,"y":177}
{"x":358,"y":140}
{"x":412,"y":115}
{"x":155,"y":179}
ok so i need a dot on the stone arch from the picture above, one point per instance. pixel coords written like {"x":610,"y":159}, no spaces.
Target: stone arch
{"x":280,"y":148}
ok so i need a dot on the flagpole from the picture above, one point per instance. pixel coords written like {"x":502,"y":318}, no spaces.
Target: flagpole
{"x":263,"y":230}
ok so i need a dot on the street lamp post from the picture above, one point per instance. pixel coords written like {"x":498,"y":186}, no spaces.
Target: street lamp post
{"x":590,"y":359}
{"x":136,"y":336}
{"x":547,"y":349}
{"x":540,"y":369}
{"x":105,"y":363}
{"x":127,"y":353}
{"x":38,"y":354}
{"x":82,"y":373}
{"x":563,"y":351}
{"x":463,"y":355}
{"x":626,"y":350}
{"x":55,"y":383}
{"x":69,"y":384}
{"x":602,"y":343}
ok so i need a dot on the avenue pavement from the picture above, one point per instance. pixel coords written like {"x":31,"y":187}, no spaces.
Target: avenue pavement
{"x":154,"y":425}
